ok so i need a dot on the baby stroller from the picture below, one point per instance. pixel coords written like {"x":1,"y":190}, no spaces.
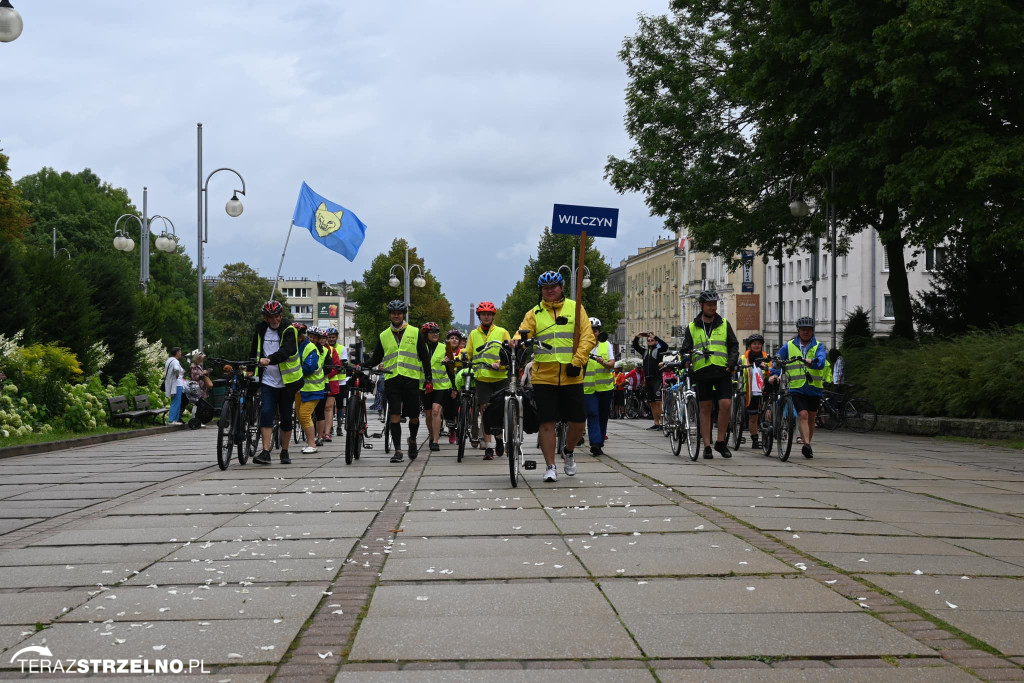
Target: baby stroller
{"x":203,"y":411}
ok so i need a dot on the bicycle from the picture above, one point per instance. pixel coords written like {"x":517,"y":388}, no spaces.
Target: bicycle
{"x":738,"y":418}
{"x":777,"y":417}
{"x":356,"y":387}
{"x":238,"y":426}
{"x":840,"y":407}
{"x":685,"y":411}
{"x":467,"y":409}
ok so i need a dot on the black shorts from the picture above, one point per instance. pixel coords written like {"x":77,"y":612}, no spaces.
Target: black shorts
{"x":754,"y":406}
{"x":560,"y":403}
{"x":318,"y":412}
{"x":806,"y":402}
{"x":620,"y":397}
{"x":439,"y":396}
{"x":713,"y":389}
{"x":403,"y":396}
{"x":653,"y":390}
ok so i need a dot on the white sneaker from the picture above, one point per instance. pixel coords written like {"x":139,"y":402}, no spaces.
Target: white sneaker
{"x":570,"y":463}
{"x":307,"y":450}
{"x":551,"y":474}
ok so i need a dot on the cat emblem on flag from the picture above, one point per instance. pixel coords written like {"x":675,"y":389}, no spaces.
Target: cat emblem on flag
{"x":327,"y":221}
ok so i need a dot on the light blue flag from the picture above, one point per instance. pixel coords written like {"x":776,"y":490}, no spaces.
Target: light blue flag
{"x":330,"y":224}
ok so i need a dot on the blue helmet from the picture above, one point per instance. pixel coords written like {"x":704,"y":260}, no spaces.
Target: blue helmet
{"x":331,"y":330}
{"x":551,"y":277}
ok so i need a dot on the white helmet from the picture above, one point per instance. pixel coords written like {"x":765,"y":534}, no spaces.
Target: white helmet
{"x":595,"y":322}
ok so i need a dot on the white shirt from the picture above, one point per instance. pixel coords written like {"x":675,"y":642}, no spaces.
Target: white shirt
{"x":272,"y":344}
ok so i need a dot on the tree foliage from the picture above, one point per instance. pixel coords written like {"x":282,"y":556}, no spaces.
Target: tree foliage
{"x":915,"y":106}
{"x":235,"y":304}
{"x":554,"y":250}
{"x":14,"y":218}
{"x":372,"y":295}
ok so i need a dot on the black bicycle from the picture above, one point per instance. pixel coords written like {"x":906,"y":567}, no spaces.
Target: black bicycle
{"x":467,"y":408}
{"x":357,"y":386}
{"x":777,"y":414}
{"x":239,"y":424}
{"x":839,"y":407}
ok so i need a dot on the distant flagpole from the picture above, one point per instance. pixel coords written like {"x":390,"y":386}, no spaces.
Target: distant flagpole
{"x":277,"y":280}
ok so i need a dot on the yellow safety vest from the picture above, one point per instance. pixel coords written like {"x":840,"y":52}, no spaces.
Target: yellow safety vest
{"x":716,"y":344}
{"x":558,"y":336}
{"x":799,"y":375}
{"x":342,"y":375}
{"x":484,"y":373}
{"x":597,"y":373}
{"x":438,"y":371}
{"x":315,"y":381}
{"x":290,"y":370}
{"x":402,"y":359}
{"x":826,"y":375}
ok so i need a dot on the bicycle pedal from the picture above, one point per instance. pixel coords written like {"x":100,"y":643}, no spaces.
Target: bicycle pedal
{"x":368,"y":446}
{"x":529,"y":464}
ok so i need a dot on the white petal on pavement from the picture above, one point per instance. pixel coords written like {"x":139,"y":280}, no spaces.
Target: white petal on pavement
{"x":951,"y":605}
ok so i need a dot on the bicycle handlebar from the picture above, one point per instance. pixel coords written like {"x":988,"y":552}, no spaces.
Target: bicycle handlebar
{"x":241,"y":363}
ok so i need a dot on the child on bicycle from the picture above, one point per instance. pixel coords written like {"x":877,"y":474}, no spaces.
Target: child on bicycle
{"x":755,"y":371}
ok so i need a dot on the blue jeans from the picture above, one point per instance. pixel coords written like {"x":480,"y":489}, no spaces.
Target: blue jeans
{"x":174,"y":414}
{"x":598,"y":406}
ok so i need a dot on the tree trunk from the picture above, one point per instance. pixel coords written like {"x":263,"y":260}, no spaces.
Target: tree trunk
{"x":898,"y":284}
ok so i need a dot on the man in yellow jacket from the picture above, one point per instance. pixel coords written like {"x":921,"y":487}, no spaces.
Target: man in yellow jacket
{"x":558,"y":372}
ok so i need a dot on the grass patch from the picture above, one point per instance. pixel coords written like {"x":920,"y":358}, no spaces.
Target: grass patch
{"x":56,"y":435}
{"x":1000,"y":443}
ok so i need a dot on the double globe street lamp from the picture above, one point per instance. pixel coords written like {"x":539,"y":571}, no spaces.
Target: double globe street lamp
{"x":167,"y":241}
{"x":573,"y":271}
{"x":10,"y":22}
{"x":406,"y":272}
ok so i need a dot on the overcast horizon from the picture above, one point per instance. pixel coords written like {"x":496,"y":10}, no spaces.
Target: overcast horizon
{"x":455,"y":124}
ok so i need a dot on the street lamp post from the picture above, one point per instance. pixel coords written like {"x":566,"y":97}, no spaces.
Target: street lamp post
{"x":233,"y":208}
{"x":572,"y":271}
{"x":406,"y":273}
{"x":56,"y":250}
{"x":167,"y":241}
{"x":10,"y":22}
{"x":798,"y":207}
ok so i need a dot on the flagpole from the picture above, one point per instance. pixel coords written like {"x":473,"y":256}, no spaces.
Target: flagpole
{"x":277,"y":280}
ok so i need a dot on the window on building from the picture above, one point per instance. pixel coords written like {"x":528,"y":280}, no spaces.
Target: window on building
{"x":885,"y":259}
{"x":790,"y":311}
{"x":807,"y":267}
{"x":799,"y":308}
{"x":799,"y":271}
{"x":704,"y":270}
{"x":844,"y":264}
{"x":824,"y":313}
{"x":808,"y":308}
{"x":824,"y":266}
{"x":843,"y":310}
{"x":888,"y":312}
{"x":302,"y":312}
{"x":296,"y":292}
{"x":934,"y":258}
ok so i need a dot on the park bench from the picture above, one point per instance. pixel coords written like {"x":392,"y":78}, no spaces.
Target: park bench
{"x":142,"y":405}
{"x":120,"y":411}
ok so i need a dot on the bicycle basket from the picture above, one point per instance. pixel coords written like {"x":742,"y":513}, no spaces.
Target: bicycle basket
{"x":192,"y":391}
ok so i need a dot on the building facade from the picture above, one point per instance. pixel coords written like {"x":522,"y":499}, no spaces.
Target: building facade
{"x":616,"y":282}
{"x":740,"y":291}
{"x":652,"y":277}
{"x":320,"y":304}
{"x":861,"y":276}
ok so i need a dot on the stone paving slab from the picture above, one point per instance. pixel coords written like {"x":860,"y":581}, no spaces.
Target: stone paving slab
{"x":67,"y":575}
{"x":29,"y":608}
{"x":1004,"y":531}
{"x":84,"y":554}
{"x":1002,"y":630}
{"x":929,"y":564}
{"x":481,"y":558}
{"x":873,"y":544}
{"x":620,"y":520}
{"x":233,"y":571}
{"x":792,"y":634}
{"x":683,"y":597}
{"x":466,"y":503}
{"x":1001,"y":549}
{"x":185,"y":522}
{"x":673,"y":554}
{"x":945,"y":674}
{"x":186,"y":603}
{"x":534,"y":620}
{"x":933,"y":592}
{"x":346,"y":529}
{"x":183,"y":640}
{"x":12,"y":635}
{"x":790,"y":513}
{"x":825,"y":526}
{"x":498,"y":675}
{"x":299,"y":519}
{"x":271,"y":550}
{"x":634,"y":495}
{"x":146,"y":536}
{"x":477,"y":523}
{"x":764,"y":501}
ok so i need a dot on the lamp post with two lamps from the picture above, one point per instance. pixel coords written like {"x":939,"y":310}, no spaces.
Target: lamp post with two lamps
{"x":573,"y":270}
{"x":10,"y":22}
{"x":406,"y":271}
{"x":167,"y":241}
{"x":233,"y":208}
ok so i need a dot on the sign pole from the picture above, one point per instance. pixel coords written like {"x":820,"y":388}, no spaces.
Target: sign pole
{"x":277,"y":278}
{"x":579,"y":292}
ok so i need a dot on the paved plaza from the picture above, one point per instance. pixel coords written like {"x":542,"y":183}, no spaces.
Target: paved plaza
{"x":885,"y":558}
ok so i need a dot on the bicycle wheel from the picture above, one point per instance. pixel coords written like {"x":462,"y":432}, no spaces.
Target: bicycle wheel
{"x":632,"y":408}
{"x":560,"y":433}
{"x":351,"y":433}
{"x":357,"y":441}
{"x":297,"y":434}
{"x":860,"y":415}
{"x":785,"y":425}
{"x":224,"y":437}
{"x":766,"y":426}
{"x":692,"y":426}
{"x":252,"y":440}
{"x":387,"y":429}
{"x":462,"y":426}
{"x":739,"y":417}
{"x":512,"y":439}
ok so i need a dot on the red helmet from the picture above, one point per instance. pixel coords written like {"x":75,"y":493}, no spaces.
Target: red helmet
{"x":299,"y":327}
{"x":486,"y":307}
{"x":453,"y":333}
{"x":431,"y":327}
{"x":273,"y":308}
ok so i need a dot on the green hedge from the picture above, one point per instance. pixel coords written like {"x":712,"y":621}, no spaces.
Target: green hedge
{"x":980,"y":374}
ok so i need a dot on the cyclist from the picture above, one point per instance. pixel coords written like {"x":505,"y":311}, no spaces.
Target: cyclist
{"x":402,"y":352}
{"x":754,"y":369}
{"x":598,"y":387}
{"x":556,"y":374}
{"x":336,"y":376}
{"x":452,"y":364}
{"x":313,"y":387}
{"x":619,"y":402}
{"x":806,"y":383}
{"x":653,"y":356}
{"x":711,"y":334}
{"x":276,"y":344}
{"x":492,"y":376}
{"x":440,"y":398}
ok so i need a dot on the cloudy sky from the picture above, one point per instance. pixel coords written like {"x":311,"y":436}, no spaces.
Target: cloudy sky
{"x":454,"y":124}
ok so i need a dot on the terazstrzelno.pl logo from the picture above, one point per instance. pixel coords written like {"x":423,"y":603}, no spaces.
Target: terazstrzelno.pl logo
{"x":43,"y":661}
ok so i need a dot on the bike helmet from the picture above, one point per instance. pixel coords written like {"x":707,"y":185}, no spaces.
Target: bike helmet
{"x":273,"y":308}
{"x":707,"y":295}
{"x":756,"y":337}
{"x":453,"y":333}
{"x":550,"y":277}
{"x":431,"y":327}
{"x":331,"y":330}
{"x":314,"y":332}
{"x":397,"y":306}
{"x":300,"y":327}
{"x":805,"y":321}
{"x":595,"y":322}
{"x":486,"y":307}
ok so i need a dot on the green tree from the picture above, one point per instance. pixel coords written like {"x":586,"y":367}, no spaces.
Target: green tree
{"x":912,"y":105}
{"x":235,"y":304}
{"x":554,"y":250}
{"x":14,"y":217}
{"x":168,"y":310}
{"x":114,"y":295}
{"x":372,"y":295}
